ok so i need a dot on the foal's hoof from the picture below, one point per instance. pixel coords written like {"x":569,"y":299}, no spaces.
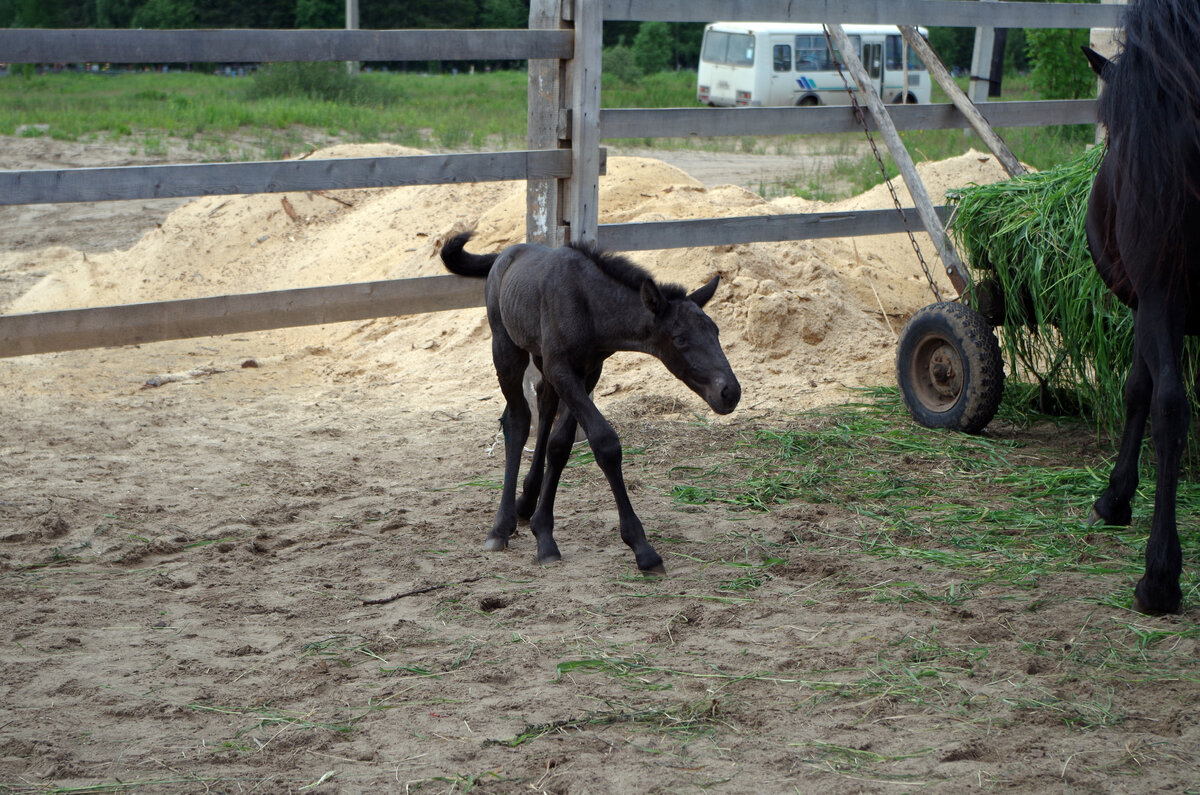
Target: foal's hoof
{"x":546,"y":560}
{"x":495,"y":545}
{"x":655,"y":571}
{"x":1095,"y":519}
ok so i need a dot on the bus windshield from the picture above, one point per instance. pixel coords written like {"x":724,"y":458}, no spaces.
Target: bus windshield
{"x":731,"y":49}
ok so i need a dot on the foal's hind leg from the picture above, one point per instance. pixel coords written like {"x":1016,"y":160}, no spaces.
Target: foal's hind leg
{"x":510,"y":369}
{"x":547,"y":400}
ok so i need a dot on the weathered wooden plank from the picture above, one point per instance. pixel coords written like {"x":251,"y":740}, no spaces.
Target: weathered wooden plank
{"x":583,"y":189}
{"x":545,"y":93}
{"x":648,"y":235}
{"x":916,"y":188}
{"x":939,"y":73}
{"x":949,"y":13}
{"x":682,"y":122}
{"x":276,"y":176}
{"x":130,"y":324}
{"x":33,"y":45}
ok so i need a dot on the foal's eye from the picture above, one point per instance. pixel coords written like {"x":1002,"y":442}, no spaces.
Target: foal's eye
{"x":681,"y":342}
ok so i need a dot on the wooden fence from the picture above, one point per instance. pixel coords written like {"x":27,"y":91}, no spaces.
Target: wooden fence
{"x":562,"y":163}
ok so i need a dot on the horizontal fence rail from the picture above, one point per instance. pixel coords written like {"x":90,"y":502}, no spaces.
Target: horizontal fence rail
{"x":947,"y":13}
{"x":35,"y":45}
{"x":648,"y":235}
{"x":682,"y":122}
{"x":72,"y":329}
{"x":133,"y":324}
{"x":48,"y":186}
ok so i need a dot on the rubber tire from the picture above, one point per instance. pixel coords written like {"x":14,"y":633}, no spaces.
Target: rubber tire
{"x":949,"y":368}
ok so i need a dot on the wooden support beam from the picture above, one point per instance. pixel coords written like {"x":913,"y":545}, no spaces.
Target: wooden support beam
{"x":955,"y":269}
{"x":938,"y":71}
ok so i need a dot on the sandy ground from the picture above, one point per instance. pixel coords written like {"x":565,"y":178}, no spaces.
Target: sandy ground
{"x":189,"y":532}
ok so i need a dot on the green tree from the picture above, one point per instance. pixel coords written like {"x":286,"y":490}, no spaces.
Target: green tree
{"x":165,"y":14}
{"x":504,"y":14}
{"x":1059,"y":70}
{"x":115,"y":13}
{"x":320,"y":14}
{"x":653,"y":47}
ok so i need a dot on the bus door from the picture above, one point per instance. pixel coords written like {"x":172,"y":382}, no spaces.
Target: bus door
{"x":872,"y":58}
{"x":782,"y":90}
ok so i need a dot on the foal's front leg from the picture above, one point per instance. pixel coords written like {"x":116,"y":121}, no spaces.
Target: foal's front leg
{"x":606,"y":446}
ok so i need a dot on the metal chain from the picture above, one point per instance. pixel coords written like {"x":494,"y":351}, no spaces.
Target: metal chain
{"x":862,"y":119}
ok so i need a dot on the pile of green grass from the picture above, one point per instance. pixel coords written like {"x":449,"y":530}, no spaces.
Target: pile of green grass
{"x":1060,"y":325}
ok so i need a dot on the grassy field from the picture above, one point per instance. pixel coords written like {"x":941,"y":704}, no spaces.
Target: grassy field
{"x":252,"y":118}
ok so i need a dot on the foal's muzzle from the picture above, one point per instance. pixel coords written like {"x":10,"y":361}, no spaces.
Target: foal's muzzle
{"x":722,"y":394}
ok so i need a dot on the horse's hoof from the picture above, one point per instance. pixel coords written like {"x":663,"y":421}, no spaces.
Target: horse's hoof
{"x":655,"y":571}
{"x":1147,"y":606}
{"x":546,"y":560}
{"x":1095,"y":519}
{"x":495,"y":545}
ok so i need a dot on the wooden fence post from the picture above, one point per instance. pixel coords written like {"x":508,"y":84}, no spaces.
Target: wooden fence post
{"x":981,"y":62}
{"x":583,"y":188}
{"x":546,"y":130}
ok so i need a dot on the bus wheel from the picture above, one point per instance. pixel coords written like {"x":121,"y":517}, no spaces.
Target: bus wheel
{"x":808,"y":102}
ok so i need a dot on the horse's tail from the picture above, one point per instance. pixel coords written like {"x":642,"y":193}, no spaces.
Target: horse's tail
{"x":458,"y":260}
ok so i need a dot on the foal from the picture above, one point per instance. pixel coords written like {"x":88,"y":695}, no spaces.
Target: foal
{"x":569,"y":309}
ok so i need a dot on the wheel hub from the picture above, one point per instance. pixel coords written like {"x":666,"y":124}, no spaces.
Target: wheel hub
{"x":937,"y":370}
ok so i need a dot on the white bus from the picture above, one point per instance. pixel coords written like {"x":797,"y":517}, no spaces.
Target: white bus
{"x":763,"y":64}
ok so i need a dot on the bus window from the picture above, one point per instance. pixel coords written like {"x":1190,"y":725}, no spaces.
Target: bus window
{"x":741,"y":49}
{"x":812,"y":53}
{"x":895,"y":46}
{"x":783,"y":57}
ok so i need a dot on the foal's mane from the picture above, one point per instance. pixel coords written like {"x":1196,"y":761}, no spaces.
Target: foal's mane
{"x":625,"y":272}
{"x":1151,"y":107}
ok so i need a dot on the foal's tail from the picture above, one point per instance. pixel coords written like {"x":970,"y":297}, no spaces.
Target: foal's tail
{"x":462,"y":262}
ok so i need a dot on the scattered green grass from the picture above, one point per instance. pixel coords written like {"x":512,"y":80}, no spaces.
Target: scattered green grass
{"x":991,"y":509}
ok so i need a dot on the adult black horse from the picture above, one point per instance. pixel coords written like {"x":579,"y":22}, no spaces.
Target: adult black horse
{"x":569,"y":309}
{"x":1143,"y":228}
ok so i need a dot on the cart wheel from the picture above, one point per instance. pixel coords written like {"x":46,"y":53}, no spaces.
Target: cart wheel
{"x":949,"y":368}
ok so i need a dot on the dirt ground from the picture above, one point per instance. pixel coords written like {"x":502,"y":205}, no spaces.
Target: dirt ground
{"x":192,"y":533}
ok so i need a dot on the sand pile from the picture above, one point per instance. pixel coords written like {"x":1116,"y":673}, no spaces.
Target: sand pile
{"x":797,"y":319}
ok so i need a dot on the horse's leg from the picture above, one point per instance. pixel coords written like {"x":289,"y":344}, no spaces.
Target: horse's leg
{"x":561,"y":439}
{"x":510,"y":362}
{"x":1159,"y":336}
{"x":606,"y":446}
{"x":547,"y":400}
{"x":1113,"y":506}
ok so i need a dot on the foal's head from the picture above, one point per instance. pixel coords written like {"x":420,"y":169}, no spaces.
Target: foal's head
{"x":685,"y":339}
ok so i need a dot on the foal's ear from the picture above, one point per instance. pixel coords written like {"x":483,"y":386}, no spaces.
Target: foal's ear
{"x":701,"y":296}
{"x":1097,"y":61}
{"x":652,"y":297}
